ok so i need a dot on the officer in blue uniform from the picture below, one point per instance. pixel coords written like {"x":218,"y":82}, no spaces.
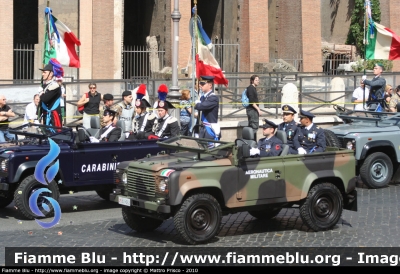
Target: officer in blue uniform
{"x":270,"y":145}
{"x":311,"y":137}
{"x":290,"y":127}
{"x":209,"y":106}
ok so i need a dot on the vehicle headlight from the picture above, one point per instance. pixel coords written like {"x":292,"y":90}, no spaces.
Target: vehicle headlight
{"x":4,"y":165}
{"x":124,"y":178}
{"x":163,"y":185}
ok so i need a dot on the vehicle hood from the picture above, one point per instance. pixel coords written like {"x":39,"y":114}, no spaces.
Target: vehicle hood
{"x":180,"y":161}
{"x":346,"y":129}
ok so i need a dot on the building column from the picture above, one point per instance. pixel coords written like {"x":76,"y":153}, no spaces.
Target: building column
{"x":86,"y":38}
{"x":7,"y":38}
{"x":258,"y":34}
{"x":185,"y":40}
{"x":311,"y":35}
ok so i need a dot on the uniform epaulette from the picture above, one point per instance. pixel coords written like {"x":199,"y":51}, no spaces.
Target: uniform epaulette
{"x":172,"y":120}
{"x":53,"y":86}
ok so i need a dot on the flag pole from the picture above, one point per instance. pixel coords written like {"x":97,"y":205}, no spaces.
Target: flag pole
{"x":365,"y":44}
{"x":194,"y":69}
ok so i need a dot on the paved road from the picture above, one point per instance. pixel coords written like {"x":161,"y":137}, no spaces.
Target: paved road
{"x":97,"y":223}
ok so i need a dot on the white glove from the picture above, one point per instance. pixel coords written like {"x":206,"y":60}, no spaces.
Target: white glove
{"x":254,"y":151}
{"x":197,"y":101}
{"x":93,"y":140}
{"x":36,"y":121}
{"x":364,"y":77}
{"x":301,"y":150}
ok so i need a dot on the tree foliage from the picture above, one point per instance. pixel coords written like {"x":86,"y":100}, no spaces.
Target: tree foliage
{"x":356,"y":32}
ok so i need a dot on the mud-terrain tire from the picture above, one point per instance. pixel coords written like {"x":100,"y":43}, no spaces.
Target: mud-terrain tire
{"x":265,"y":214}
{"x":198,"y":219}
{"x":331,"y":139}
{"x":104,"y":194}
{"x":5,"y":201}
{"x":139,"y":223}
{"x":26,"y":189}
{"x":323,"y":207}
{"x":377,"y":170}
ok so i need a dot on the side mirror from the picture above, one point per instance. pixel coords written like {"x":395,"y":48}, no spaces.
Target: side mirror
{"x":81,"y":135}
{"x":244,"y":151}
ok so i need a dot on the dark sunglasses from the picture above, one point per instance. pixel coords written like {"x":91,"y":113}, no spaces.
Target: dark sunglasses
{"x":202,"y":83}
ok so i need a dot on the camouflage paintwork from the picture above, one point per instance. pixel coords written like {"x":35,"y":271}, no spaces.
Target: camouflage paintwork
{"x":240,"y":182}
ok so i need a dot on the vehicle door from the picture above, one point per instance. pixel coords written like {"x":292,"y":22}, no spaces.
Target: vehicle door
{"x":96,"y":162}
{"x":261,"y":178}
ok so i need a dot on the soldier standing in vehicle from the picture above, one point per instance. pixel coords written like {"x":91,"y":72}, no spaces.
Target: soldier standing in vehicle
{"x":311,"y":137}
{"x":126,"y":111}
{"x":270,"y":145}
{"x":209,"y":106}
{"x":108,"y":133}
{"x":377,"y":89}
{"x":49,"y":107}
{"x":395,"y":100}
{"x":166,"y":126}
{"x":144,"y":121}
{"x":290,"y":127}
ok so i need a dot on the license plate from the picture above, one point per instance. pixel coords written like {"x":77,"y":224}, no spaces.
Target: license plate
{"x":124,"y":201}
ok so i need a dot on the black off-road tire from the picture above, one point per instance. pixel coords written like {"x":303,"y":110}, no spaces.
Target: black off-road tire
{"x":5,"y":201}
{"x":24,"y":191}
{"x":377,"y":170}
{"x":323,"y":207}
{"x":198,"y":219}
{"x":331,"y":139}
{"x":265,"y":214}
{"x":139,"y":223}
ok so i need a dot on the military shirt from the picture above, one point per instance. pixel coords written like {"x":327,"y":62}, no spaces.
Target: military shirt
{"x":143,"y":125}
{"x":171,"y":129}
{"x":377,"y":88}
{"x":312,"y":140}
{"x":269,"y":147}
{"x":292,"y":131}
{"x":209,"y":106}
{"x":394,"y":100}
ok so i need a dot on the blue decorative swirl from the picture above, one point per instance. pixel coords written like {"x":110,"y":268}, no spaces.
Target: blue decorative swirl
{"x":35,"y":209}
{"x":50,"y":175}
{"x":45,"y":161}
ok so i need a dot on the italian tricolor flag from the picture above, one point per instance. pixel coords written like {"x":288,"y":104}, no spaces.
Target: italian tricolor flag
{"x":59,"y":42}
{"x":383,"y":43}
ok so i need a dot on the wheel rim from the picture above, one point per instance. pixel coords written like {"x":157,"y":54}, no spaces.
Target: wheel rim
{"x":324,"y":207}
{"x":379,"y":171}
{"x":200,"y":219}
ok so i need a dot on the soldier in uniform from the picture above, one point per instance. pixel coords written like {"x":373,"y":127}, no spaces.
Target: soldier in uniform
{"x":208,"y":105}
{"x":376,"y":89}
{"x":49,"y":106}
{"x":126,"y":111}
{"x":290,"y":127}
{"x":166,"y":126}
{"x":108,"y":133}
{"x":144,"y":121}
{"x":108,"y":100}
{"x":270,"y":145}
{"x":311,"y":137}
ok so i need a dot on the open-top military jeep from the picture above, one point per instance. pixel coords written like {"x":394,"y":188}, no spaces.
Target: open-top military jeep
{"x":197,"y":186}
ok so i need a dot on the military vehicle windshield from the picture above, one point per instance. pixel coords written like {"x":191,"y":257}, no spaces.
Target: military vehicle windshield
{"x":377,"y":118}
{"x":185,"y":143}
{"x":36,"y":133}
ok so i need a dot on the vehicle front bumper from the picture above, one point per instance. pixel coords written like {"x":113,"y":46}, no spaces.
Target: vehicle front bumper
{"x":140,"y":204}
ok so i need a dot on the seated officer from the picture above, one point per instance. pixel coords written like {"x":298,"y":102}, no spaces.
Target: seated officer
{"x":290,"y":127}
{"x":166,"y":126}
{"x":311,"y":137}
{"x":270,"y":145}
{"x":108,"y":133}
{"x":143,"y":121}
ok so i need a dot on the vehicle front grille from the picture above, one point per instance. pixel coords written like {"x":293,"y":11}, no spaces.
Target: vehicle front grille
{"x":142,"y":182}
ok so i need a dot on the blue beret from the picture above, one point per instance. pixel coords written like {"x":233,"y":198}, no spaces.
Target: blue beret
{"x":307,"y":114}
{"x":288,"y":109}
{"x":268,"y":124}
{"x":207,"y":78}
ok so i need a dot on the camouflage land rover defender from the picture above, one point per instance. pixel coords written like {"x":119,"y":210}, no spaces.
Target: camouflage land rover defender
{"x":197,"y":186}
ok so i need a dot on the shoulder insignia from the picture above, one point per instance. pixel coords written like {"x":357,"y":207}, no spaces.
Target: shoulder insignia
{"x":317,"y":127}
{"x":172,"y":120}
{"x":277,"y":147}
{"x":53,"y":86}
